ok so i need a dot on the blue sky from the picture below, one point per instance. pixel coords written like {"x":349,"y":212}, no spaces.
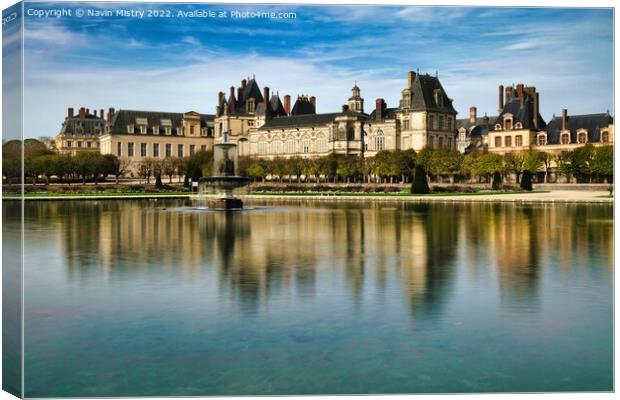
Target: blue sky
{"x":180,"y":64}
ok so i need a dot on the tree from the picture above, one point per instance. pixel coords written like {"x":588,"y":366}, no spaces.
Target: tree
{"x":526,"y":181}
{"x":328,"y":166}
{"x":256,"y":170}
{"x":488,"y":164}
{"x":420,"y":182}
{"x":33,"y":149}
{"x":115,"y":166}
{"x":577,"y":163}
{"x":84,"y":164}
{"x":12,"y":160}
{"x":497,"y":181}
{"x":45,"y":165}
{"x":515,"y":163}
{"x":446,"y":162}
{"x":603,"y":163}
{"x":158,"y":170}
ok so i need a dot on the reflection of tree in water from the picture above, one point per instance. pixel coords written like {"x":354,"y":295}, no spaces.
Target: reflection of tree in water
{"x":429,"y":274}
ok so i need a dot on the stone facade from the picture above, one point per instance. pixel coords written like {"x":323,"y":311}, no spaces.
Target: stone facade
{"x":80,"y":132}
{"x":270,"y":128}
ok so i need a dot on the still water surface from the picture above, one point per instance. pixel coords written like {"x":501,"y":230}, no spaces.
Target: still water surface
{"x":126,"y":298}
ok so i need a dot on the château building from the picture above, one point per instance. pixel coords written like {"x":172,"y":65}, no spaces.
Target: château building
{"x":148,"y":134}
{"x":264,"y":126}
{"x":81,"y":131}
{"x":519,"y":127}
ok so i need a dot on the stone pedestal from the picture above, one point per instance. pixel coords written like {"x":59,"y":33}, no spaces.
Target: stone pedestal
{"x":225,"y":203}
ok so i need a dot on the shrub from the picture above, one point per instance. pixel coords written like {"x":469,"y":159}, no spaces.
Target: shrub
{"x":420,"y":184}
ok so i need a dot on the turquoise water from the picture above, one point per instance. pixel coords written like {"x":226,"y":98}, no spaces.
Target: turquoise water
{"x":127,"y":298}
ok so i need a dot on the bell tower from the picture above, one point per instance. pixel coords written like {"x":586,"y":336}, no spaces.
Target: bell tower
{"x":356,"y":102}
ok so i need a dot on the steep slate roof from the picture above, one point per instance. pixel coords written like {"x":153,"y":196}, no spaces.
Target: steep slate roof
{"x":388,"y":113}
{"x":276,"y":109}
{"x":590,"y":122}
{"x":306,"y":120}
{"x":523,"y":115}
{"x":303,"y":106}
{"x":480,"y":128}
{"x":122,"y":118}
{"x":91,"y":125}
{"x":423,"y":95}
{"x":252,"y":91}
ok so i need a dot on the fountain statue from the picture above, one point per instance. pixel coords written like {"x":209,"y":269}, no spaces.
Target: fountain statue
{"x":225,"y":178}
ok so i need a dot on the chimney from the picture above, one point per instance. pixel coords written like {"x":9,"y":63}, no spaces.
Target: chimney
{"x":244,"y":83}
{"x":508,"y":94}
{"x":501,"y":98}
{"x":240,"y":94}
{"x":266,"y":99}
{"x":536,"y":105}
{"x":232,"y":100}
{"x":287,"y":104}
{"x":220,"y":98}
{"x":410,"y":79}
{"x":101,"y":114}
{"x":564,"y":118}
{"x":485,"y":120}
{"x":521,"y":99}
{"x":82,"y":112}
{"x":110,"y":114}
{"x":95,"y":112}
{"x":379,"y":108}
{"x":87,"y":111}
{"x":313,"y":102}
{"x":519,"y":89}
{"x":70,"y":112}
{"x":345,"y":107}
{"x":472,"y":115}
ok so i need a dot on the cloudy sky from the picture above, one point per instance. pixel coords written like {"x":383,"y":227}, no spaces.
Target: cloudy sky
{"x":179,"y":64}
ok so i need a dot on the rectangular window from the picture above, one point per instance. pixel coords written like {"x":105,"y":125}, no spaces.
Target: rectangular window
{"x":69,"y":143}
{"x":203,"y":147}
{"x":449,"y":143}
{"x":180,"y":151}
{"x":498,"y":141}
{"x":142,"y":149}
{"x":518,"y":140}
{"x":191,"y":129}
{"x":156,"y":130}
{"x":155,"y":149}
{"x":192,"y":149}
{"x":306,"y":146}
{"x":79,"y":144}
{"x":431,"y":122}
{"x":88,"y":144}
{"x":168,"y":150}
{"x":168,"y":130}
{"x":130,"y":149}
{"x":118,"y":149}
{"x":508,"y":141}
{"x":406,"y":125}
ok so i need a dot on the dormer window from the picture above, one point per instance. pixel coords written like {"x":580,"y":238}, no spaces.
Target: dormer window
{"x":143,"y":123}
{"x":542,"y":139}
{"x":508,"y":122}
{"x":251,"y":106}
{"x":143,"y":129}
{"x":498,"y":127}
{"x":565,"y":138}
{"x":582,"y":137}
{"x":605,"y":137}
{"x":518,"y":125}
{"x":156,"y":130}
{"x":130,"y":128}
{"x":438,"y":98}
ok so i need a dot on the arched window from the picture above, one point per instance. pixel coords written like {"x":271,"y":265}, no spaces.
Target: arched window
{"x":350,"y":133}
{"x":582,"y":137}
{"x":565,"y":138}
{"x":605,"y":137}
{"x":518,"y":125}
{"x":498,"y":127}
{"x":379,"y":140}
{"x":508,"y":123}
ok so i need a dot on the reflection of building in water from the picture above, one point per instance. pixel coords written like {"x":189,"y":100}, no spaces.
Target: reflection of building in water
{"x":301,"y":253}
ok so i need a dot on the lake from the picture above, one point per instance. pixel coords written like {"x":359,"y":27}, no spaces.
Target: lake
{"x":151,"y":298}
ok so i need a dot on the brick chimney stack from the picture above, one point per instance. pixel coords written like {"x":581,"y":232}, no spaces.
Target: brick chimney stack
{"x":87,"y":111}
{"x":240,"y":94}
{"x":101,"y":114}
{"x":501,"y":98}
{"x":82,"y":112}
{"x":220,"y":98}
{"x":266,"y":99}
{"x":287,"y":104}
{"x":379,"y":109}
{"x":521,"y":94}
{"x":410,"y":79}
{"x":95,"y":112}
{"x":564,"y":118}
{"x":232,"y":100}
{"x":110,"y":114}
{"x":508,"y":94}
{"x":70,"y":112}
{"x":473,"y":117}
{"x":313,"y":102}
